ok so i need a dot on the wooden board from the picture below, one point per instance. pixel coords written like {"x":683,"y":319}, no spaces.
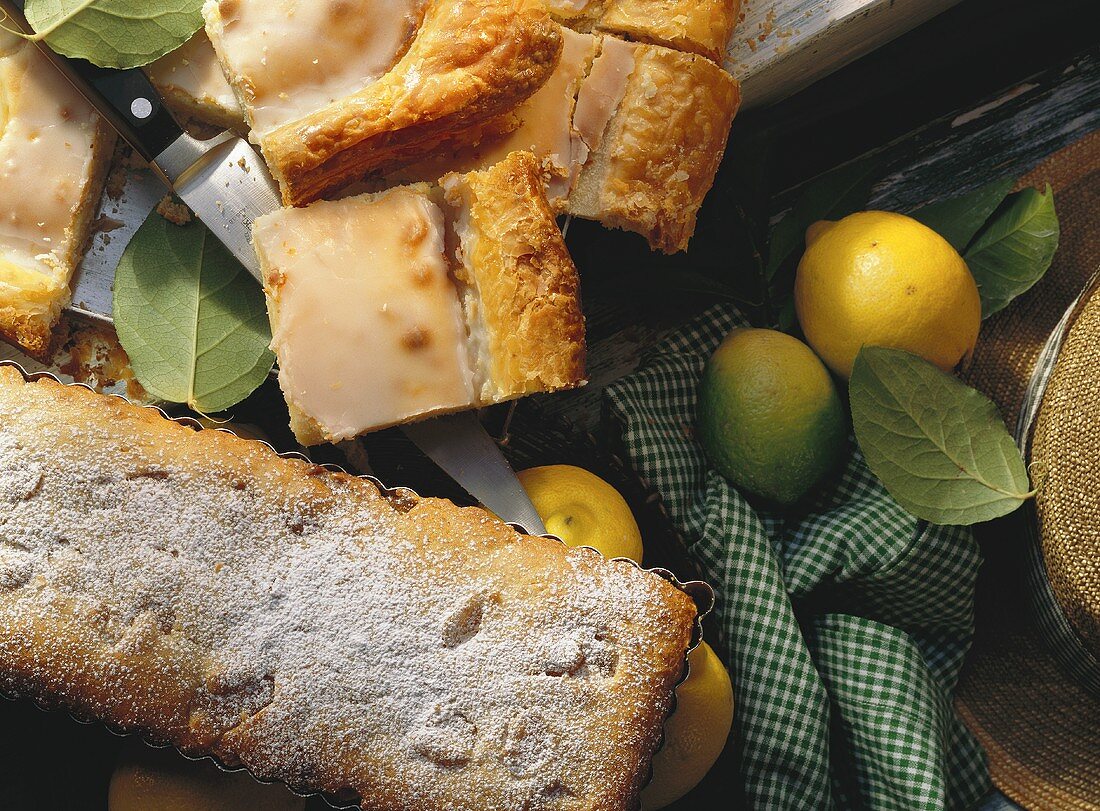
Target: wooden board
{"x":783,"y":46}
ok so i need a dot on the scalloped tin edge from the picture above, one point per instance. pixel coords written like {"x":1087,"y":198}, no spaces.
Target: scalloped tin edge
{"x":701,"y":594}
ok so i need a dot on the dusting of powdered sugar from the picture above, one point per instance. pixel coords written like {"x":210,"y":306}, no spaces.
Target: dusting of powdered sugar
{"x":420,"y":658}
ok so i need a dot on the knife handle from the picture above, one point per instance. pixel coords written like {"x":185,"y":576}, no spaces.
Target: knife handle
{"x":125,"y":98}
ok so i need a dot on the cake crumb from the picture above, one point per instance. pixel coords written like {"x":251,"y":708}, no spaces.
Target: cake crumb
{"x":105,"y":225}
{"x":96,"y":359}
{"x":174,"y":211}
{"x":116,"y":182}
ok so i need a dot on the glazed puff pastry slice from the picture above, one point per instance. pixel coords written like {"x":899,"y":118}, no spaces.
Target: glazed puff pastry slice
{"x":336,"y":90}
{"x":54,"y":154}
{"x":197,"y":589}
{"x":543,"y":127}
{"x":417,"y":301}
{"x":629,"y":134}
{"x":655,"y":124}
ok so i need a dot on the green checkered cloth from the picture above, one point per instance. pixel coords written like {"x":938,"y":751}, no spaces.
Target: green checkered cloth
{"x":844,"y":625}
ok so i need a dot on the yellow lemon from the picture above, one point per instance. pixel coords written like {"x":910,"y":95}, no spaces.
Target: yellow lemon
{"x":696,"y":733}
{"x":881,"y":279}
{"x":162,"y":779}
{"x":583,"y":510}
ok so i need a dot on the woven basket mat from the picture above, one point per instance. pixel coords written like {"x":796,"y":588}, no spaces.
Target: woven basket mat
{"x":1040,"y":729}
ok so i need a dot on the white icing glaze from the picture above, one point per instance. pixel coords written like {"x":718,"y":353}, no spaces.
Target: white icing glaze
{"x":546,"y":129}
{"x":603,"y":90}
{"x":193,"y":70}
{"x":567,"y":8}
{"x":369,"y":331}
{"x":462,"y":244}
{"x":294,"y":57}
{"x":47,"y":134}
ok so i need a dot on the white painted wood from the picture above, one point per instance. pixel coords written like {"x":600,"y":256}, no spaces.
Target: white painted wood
{"x":782,"y":46}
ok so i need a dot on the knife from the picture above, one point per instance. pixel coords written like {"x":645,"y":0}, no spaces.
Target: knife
{"x":227,"y":185}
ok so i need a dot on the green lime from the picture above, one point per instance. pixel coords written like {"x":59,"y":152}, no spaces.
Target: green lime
{"x":770,"y":418}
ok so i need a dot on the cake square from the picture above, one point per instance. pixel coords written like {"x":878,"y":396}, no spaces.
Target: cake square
{"x":54,"y":153}
{"x":367,"y":323}
{"x":419,"y":301}
{"x":191,"y":81}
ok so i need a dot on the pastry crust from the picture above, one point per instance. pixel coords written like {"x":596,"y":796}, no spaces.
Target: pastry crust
{"x":695,"y":26}
{"x":517,"y":271}
{"x":470,"y":61}
{"x":661,"y":150}
{"x":543,"y":126}
{"x":191,"y":81}
{"x":54,"y":155}
{"x":197,"y":589}
{"x":698,"y":26}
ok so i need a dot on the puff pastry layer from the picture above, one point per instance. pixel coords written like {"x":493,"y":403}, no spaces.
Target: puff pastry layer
{"x":420,"y":301}
{"x":54,"y":152}
{"x":198,"y":589}
{"x":336,"y":90}
{"x":696,"y":26}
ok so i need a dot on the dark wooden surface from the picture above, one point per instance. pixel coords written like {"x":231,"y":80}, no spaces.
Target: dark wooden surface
{"x":985,"y":90}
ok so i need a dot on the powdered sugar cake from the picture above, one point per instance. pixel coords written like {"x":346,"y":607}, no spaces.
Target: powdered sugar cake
{"x":207,"y":593}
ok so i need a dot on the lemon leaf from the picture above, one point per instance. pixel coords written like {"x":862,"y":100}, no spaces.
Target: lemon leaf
{"x":958,"y":219}
{"x":114,"y":33}
{"x":1015,"y":248}
{"x":192,"y":320}
{"x":939,"y":447}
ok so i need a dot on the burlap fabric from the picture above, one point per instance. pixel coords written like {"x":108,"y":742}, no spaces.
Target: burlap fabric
{"x":1031,"y":689}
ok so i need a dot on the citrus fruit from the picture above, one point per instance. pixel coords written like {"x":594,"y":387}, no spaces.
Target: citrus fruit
{"x":583,"y":510}
{"x":770,"y":418}
{"x":881,"y":279}
{"x":164,"y":780}
{"x":696,"y":732}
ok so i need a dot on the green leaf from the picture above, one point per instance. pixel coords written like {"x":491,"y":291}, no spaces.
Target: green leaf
{"x":191,"y":318}
{"x":958,"y":219}
{"x":938,"y":446}
{"x":115,"y":33}
{"x":833,"y":195}
{"x":1015,"y":248}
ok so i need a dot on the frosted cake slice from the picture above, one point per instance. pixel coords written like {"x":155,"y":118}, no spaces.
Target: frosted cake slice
{"x":420,"y":301}
{"x":54,"y":152}
{"x":191,"y":81}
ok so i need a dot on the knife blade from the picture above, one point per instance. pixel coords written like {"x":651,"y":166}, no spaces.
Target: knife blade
{"x":223,"y":180}
{"x":228,"y":186}
{"x":459,"y":444}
